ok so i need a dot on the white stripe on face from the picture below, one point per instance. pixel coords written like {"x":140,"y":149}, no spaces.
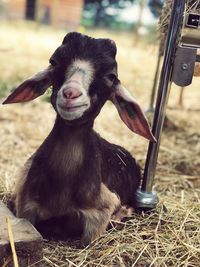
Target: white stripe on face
{"x":73,"y":98}
{"x":82,"y":72}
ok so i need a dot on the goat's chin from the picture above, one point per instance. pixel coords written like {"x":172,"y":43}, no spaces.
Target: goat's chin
{"x":71,"y":115}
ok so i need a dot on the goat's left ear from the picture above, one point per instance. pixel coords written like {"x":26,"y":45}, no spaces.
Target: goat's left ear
{"x":131,"y":113}
{"x":31,"y":88}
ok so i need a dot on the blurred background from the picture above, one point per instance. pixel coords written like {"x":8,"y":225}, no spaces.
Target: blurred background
{"x":69,"y":14}
{"x":32,"y":29}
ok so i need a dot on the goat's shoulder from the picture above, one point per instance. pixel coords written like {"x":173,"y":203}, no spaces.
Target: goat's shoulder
{"x":110,"y":151}
{"x":120,"y":171}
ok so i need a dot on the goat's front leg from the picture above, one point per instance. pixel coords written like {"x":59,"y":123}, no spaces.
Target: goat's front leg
{"x":96,"y":219}
{"x":28,"y":210}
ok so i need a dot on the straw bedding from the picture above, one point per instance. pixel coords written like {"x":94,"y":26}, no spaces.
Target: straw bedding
{"x":169,"y":235}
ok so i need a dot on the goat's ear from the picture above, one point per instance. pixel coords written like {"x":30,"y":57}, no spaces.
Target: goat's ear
{"x":31,"y":88}
{"x":131,"y":113}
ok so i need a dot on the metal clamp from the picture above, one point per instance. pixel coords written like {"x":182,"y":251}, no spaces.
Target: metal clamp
{"x":183,"y":67}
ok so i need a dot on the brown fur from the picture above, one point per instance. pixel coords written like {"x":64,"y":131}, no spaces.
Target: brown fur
{"x":97,"y":219}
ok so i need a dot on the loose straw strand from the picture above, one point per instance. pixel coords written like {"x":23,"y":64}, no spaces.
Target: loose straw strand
{"x":12,"y":243}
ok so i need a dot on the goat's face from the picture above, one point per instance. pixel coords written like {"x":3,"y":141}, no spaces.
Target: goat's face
{"x":83,"y":73}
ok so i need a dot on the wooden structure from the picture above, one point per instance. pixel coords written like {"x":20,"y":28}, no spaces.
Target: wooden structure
{"x":28,"y":242}
{"x":60,"y":13}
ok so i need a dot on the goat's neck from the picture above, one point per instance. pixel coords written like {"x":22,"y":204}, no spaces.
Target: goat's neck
{"x":69,"y":133}
{"x":69,"y":146}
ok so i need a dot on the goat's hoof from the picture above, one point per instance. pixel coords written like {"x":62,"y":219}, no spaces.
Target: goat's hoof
{"x":84,"y":242}
{"x":88,"y":239}
{"x":121,"y":215}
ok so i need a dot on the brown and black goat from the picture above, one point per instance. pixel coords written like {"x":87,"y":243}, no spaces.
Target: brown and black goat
{"x":76,"y":174}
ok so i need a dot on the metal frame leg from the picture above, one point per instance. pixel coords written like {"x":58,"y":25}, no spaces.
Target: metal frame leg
{"x":145,"y":197}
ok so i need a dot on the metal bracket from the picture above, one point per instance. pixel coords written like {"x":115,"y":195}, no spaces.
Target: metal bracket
{"x":183,"y":67}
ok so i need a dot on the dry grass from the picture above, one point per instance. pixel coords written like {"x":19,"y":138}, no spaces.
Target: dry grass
{"x":168,"y":236}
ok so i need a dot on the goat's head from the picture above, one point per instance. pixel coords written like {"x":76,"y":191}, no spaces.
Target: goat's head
{"x":83,"y":74}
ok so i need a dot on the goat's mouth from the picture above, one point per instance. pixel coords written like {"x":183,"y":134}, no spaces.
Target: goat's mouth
{"x":72,"y":108}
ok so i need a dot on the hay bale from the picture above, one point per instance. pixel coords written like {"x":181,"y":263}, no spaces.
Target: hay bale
{"x":191,"y":6}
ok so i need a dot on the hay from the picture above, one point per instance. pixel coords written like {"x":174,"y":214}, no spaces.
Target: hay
{"x":191,"y":6}
{"x":168,"y":236}
{"x":156,"y":239}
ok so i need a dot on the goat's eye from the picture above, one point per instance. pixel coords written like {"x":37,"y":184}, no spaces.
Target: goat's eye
{"x":53,"y":62}
{"x":112,"y":77}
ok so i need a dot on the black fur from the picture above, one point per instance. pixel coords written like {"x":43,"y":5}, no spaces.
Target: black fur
{"x":66,"y":172}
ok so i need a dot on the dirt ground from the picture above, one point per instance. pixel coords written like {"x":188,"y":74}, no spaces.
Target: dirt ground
{"x":168,"y":236}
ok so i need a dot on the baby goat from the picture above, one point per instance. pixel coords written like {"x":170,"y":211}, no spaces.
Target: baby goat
{"x":75,"y":172}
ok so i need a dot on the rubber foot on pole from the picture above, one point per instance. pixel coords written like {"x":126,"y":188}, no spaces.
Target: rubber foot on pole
{"x":146,"y":201}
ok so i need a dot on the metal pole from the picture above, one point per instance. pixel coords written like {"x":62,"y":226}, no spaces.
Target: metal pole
{"x":145,"y":197}
{"x":153,"y":91}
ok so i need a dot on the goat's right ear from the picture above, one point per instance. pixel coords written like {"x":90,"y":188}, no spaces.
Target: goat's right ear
{"x":31,"y":88}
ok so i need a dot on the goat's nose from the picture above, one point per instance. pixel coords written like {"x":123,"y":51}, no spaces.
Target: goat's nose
{"x":71,"y":93}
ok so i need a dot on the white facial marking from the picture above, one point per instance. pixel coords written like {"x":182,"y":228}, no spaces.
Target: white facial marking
{"x":81,"y":70}
{"x":77,"y":81}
